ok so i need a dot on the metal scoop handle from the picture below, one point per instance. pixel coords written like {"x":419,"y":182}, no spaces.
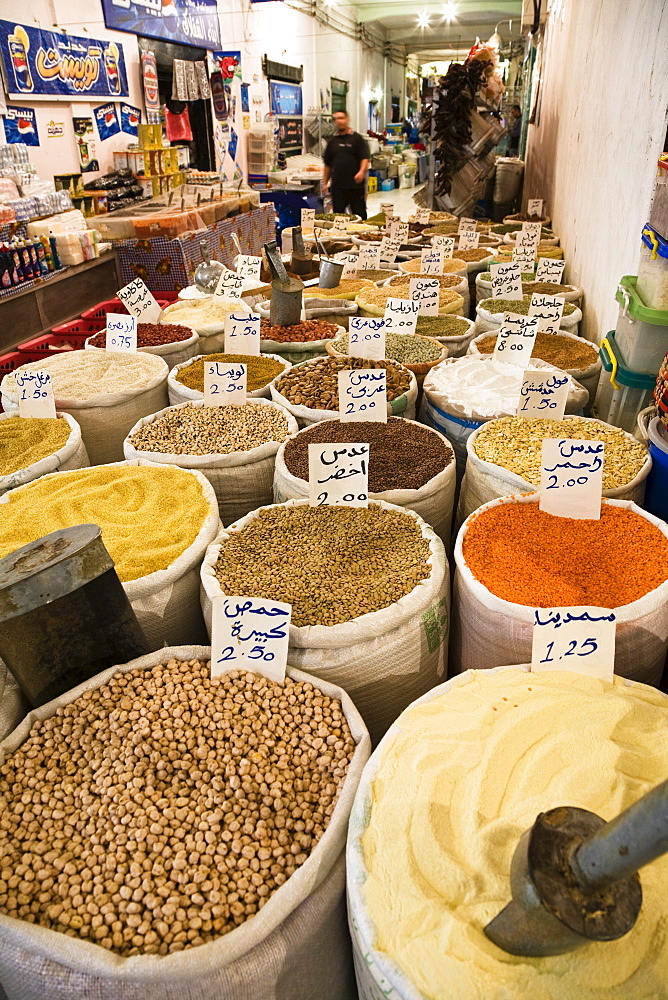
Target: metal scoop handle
{"x":276,"y":265}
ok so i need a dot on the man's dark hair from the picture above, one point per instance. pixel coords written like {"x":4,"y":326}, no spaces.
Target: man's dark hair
{"x":516,"y":107}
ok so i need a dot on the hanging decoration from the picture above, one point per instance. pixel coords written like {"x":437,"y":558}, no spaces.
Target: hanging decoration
{"x":21,"y":126}
{"x":83,"y":130}
{"x":106,"y":121}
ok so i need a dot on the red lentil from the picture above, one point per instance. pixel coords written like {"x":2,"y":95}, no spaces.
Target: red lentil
{"x":523,"y":555}
{"x":151,"y":334}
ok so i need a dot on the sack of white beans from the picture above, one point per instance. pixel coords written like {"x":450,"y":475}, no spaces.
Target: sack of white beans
{"x":194,"y":904}
{"x":71,"y":455}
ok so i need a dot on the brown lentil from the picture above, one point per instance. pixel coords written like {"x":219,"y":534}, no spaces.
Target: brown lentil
{"x":515,"y":443}
{"x":24,"y":442}
{"x":163,"y":809}
{"x":527,"y":556}
{"x":560,"y":351}
{"x":309,"y":329}
{"x":404,"y":455}
{"x":331,"y":563}
{"x":403,"y":347}
{"x":315,"y":383}
{"x":519,"y":306}
{"x":260,"y":371}
{"x":212,"y":430}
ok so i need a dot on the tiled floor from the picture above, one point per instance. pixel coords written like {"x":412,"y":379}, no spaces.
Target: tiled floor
{"x":401,"y":198}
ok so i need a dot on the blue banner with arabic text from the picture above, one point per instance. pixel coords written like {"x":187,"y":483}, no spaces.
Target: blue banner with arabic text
{"x":190,"y":22}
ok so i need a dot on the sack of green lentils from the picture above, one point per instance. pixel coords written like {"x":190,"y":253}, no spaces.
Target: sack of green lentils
{"x":486,"y":320}
{"x":296,"y":945}
{"x":242,"y":476}
{"x":385,"y":657}
{"x":46,"y":445}
{"x":570,"y":293}
{"x":529,"y":558}
{"x":179,"y":392}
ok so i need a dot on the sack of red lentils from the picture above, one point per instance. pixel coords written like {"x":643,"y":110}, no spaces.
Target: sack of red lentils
{"x":511,"y":558}
{"x":139,"y":751}
{"x":382,"y":582}
{"x":68,"y":451}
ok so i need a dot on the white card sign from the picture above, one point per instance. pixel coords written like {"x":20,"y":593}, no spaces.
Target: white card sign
{"x":389,"y":248}
{"x":249,"y":266}
{"x":548,"y":310}
{"x":580,"y":639}
{"x":524,"y":255}
{"x":401,"y":315}
{"x":426,"y":292}
{"x":308,"y":218}
{"x":369,"y":257}
{"x":230,"y":284}
{"x":467,"y":225}
{"x":250,"y":633}
{"x":366,"y":337}
{"x":423,"y":216}
{"x":363,"y":395}
{"x":550,"y":270}
{"x":544,"y":394}
{"x":121,"y":333}
{"x":446,"y":243}
{"x":387,"y":209}
{"x":242,"y":334}
{"x":468,"y":240}
{"x":350,"y":264}
{"x":535,"y":206}
{"x":139,"y":302}
{"x":224,"y":384}
{"x":35,"y":393}
{"x":532,"y":227}
{"x":399,"y":230}
{"x":506,"y":281}
{"x":338,"y":475}
{"x":571,"y":477}
{"x":340,"y":224}
{"x":432,"y":260}
{"x":516,"y":339}
{"x":529,"y":240}
{"x":391,"y":220}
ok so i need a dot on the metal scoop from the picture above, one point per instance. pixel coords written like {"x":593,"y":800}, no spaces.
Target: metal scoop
{"x":574,"y":880}
{"x":286,"y":293}
{"x":330,"y":270}
{"x":301,"y":261}
{"x":208,"y":272}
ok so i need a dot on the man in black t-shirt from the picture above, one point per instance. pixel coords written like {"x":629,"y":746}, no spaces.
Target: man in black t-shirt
{"x":346,"y":165}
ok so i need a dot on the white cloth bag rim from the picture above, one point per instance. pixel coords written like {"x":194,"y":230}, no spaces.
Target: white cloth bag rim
{"x":51,"y":463}
{"x":367,"y":626}
{"x":161,"y":350}
{"x":577,"y":373}
{"x":521,"y":612}
{"x":97,"y":961}
{"x":193,"y":395}
{"x":216,"y":460}
{"x":565,"y":323}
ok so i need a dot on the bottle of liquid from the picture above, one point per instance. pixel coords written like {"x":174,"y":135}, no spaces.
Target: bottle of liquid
{"x":16,"y":265}
{"x":5,"y":269}
{"x":48,"y":256}
{"x":54,"y":250}
{"x":26,"y":262}
{"x":41,"y":256}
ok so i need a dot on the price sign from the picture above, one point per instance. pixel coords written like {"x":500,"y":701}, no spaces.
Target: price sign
{"x":389,"y":248}
{"x":581,"y":639}
{"x":338,"y":475}
{"x":363,"y":395}
{"x":467,"y":226}
{"x":524,"y":255}
{"x":224,"y":384}
{"x":506,"y":281}
{"x":249,"y":266}
{"x":349,"y":265}
{"x":308,"y":218}
{"x":571,"y":478}
{"x":399,"y":230}
{"x":121,"y":333}
{"x":230,"y":285}
{"x":139,"y":302}
{"x":423,"y":216}
{"x":535,"y":206}
{"x":401,"y":315}
{"x":340,"y":224}
{"x":468,"y":240}
{"x":532,"y":227}
{"x":35,"y":394}
{"x":432,"y":260}
{"x":366,"y":337}
{"x":528,"y":240}
{"x":391,"y":220}
{"x":548,"y":310}
{"x":369,"y":257}
{"x":446,"y":243}
{"x":387,"y":209}
{"x":516,"y":339}
{"x":543,"y":394}
{"x":250,"y":633}
{"x":550,"y":270}
{"x":426,"y":292}
{"x":242,"y":335}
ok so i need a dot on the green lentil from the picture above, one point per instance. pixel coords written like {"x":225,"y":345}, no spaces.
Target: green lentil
{"x":316,"y":382}
{"x":545,"y":288}
{"x":375,"y":274}
{"x":515,"y":444}
{"x":212,"y":430}
{"x":519,"y":306}
{"x":260,"y":371}
{"x":402,"y":347}
{"x":331,"y":563}
{"x":442,"y":326}
{"x":24,"y":442}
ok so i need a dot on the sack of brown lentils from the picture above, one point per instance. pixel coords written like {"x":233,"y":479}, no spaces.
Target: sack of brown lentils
{"x":46,"y":445}
{"x":174,"y":352}
{"x":537,"y":561}
{"x":388,"y":641}
{"x":236,"y":448}
{"x":504,"y":457}
{"x":297,"y":944}
{"x":399,"y":447}
{"x":179,"y":392}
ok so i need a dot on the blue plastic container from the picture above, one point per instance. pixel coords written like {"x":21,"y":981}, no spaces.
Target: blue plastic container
{"x":656,"y":491}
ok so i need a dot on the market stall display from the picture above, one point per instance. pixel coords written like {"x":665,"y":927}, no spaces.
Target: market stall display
{"x":186,"y":381}
{"x":372,"y":301}
{"x":34,"y":447}
{"x":489,"y":313}
{"x":207,"y":317}
{"x":171,"y":341}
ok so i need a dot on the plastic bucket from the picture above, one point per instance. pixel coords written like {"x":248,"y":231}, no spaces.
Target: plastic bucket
{"x":656,"y":490}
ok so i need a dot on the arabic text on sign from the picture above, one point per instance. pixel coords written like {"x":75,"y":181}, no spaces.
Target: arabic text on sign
{"x":446,"y":243}
{"x":550,"y":270}
{"x":121,"y":333}
{"x":338,"y":475}
{"x":366,"y":337}
{"x":426,"y":291}
{"x":506,"y":281}
{"x":250,"y":633}
{"x":363,"y":395}
{"x":543,"y":394}
{"x":548,"y":310}
{"x":401,"y":315}
{"x":516,"y":339}
{"x":580,"y":639}
{"x":139,"y":301}
{"x":249,"y":266}
{"x":571,"y":478}
{"x":224,"y":384}
{"x":242,"y":334}
{"x":36,"y":397}
{"x":230,"y":285}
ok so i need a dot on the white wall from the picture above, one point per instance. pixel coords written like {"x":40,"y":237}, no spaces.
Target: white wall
{"x":602,"y":127}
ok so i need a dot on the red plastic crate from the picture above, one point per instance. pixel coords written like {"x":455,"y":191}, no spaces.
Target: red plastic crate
{"x":49,"y":343}
{"x":84,"y":326}
{"x":116,"y":306}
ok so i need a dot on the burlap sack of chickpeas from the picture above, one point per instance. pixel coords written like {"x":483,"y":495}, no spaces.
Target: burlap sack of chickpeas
{"x":297,"y":947}
{"x":72,"y":455}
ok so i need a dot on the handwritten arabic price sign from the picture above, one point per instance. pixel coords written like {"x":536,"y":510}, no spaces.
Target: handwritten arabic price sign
{"x":391,"y":220}
{"x":467,"y":226}
{"x":446,"y":243}
{"x":250,"y":633}
{"x":401,"y":315}
{"x":121,"y":333}
{"x":426,"y":292}
{"x":571,"y":478}
{"x":308,"y":218}
{"x":516,"y":339}
{"x":338,"y":475}
{"x":249,"y":266}
{"x":369,"y":257}
{"x":543,"y":394}
{"x":535,"y":206}
{"x":242,"y":335}
{"x":35,"y":394}
{"x":363,"y":395}
{"x":350,"y":264}
{"x":139,"y":302}
{"x":432,"y":260}
{"x":366,"y":338}
{"x":468,"y":240}
{"x":423,"y":216}
{"x":548,"y":310}
{"x":506,"y":281}
{"x":387,"y":209}
{"x":400,"y":230}
{"x":523,"y":255}
{"x":340,"y":224}
{"x":528,"y":239}
{"x":581,"y":639}
{"x":550,"y":270}
{"x":389,"y":248}
{"x":224,"y":384}
{"x":230,"y":284}
{"x":532,"y":227}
